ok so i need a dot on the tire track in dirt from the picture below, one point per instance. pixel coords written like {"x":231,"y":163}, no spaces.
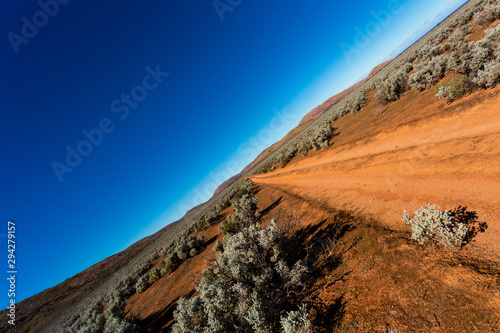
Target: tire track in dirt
{"x":449,"y":161}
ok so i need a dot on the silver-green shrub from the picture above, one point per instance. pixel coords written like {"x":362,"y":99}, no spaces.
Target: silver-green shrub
{"x":91,"y":321}
{"x":142,"y":284}
{"x":356,"y":103}
{"x":200,"y":240}
{"x":489,"y":76}
{"x":393,"y":85}
{"x":490,"y":13}
{"x":118,"y":325}
{"x":246,"y":210}
{"x":296,"y":322}
{"x":435,"y":225}
{"x":429,"y":72}
{"x":245,"y":289}
{"x":444,"y":92}
{"x":155,"y":274}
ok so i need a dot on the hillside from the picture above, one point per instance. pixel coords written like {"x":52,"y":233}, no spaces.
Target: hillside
{"x":405,"y":159}
{"x":320,"y":109}
{"x":306,"y":120}
{"x":417,"y":151}
{"x":310,"y":238}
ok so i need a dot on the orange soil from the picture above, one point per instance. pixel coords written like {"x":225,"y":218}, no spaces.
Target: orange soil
{"x":478,"y":32}
{"x":377,"y":280}
{"x":369,"y":280}
{"x":383,"y":160}
{"x":417,"y":151}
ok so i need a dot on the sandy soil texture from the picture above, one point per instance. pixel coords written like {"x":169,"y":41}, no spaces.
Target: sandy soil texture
{"x":381,"y":163}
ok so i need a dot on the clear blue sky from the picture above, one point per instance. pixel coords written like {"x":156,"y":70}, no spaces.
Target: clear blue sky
{"x":102,"y":65}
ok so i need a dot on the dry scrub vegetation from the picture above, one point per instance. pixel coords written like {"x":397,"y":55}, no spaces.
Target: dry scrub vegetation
{"x":449,"y":61}
{"x":282,"y":276}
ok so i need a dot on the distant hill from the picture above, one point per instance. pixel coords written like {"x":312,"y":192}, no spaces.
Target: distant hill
{"x":311,"y":115}
{"x":320,"y":109}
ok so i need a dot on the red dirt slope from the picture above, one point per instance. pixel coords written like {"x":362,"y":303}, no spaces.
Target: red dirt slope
{"x":418,"y":151}
{"x":317,"y":111}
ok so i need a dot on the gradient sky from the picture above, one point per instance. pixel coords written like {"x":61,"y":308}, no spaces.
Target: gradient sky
{"x":234,"y":86}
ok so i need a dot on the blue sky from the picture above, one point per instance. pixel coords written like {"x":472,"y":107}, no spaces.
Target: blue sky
{"x":160,"y":100}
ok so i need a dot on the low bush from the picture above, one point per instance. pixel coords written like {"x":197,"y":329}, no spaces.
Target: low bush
{"x":432,"y":224}
{"x":246,"y":210}
{"x":454,"y":89}
{"x":304,"y":150}
{"x":183,"y":255}
{"x":457,"y":41}
{"x":143,"y":269}
{"x":489,"y":14}
{"x":91,"y":321}
{"x":296,"y":322}
{"x":317,"y":138}
{"x":246,"y":290}
{"x":171,"y":263}
{"x":478,"y":55}
{"x":489,"y":76}
{"x":245,"y":187}
{"x":155,"y":275}
{"x":356,"y":103}
{"x":286,"y":156}
{"x":182,"y":249}
{"x":453,"y":228}
{"x":444,"y":92}
{"x":118,"y":325}
{"x":202,"y":225}
{"x":429,"y":72}
{"x":229,"y":227}
{"x":142,"y":284}
{"x":394,"y":85}
{"x":285,"y":160}
{"x":266,"y":168}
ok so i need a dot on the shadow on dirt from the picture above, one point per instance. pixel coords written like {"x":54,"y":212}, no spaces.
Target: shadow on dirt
{"x":320,"y":247}
{"x":156,"y":322}
{"x":470,"y":219}
{"x":266,"y":211}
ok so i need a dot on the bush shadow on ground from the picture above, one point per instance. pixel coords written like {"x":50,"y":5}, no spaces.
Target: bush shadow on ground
{"x":470,"y":219}
{"x":320,"y":247}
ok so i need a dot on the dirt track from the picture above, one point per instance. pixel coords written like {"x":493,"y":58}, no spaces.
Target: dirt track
{"x":449,"y":160}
